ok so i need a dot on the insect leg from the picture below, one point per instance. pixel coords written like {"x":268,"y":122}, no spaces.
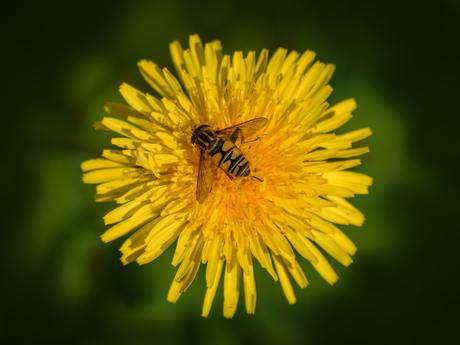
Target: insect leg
{"x":245,"y":142}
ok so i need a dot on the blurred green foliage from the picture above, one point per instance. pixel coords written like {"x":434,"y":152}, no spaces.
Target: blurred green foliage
{"x":64,"y":60}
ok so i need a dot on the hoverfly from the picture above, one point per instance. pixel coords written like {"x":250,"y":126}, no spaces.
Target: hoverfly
{"x":217,"y":147}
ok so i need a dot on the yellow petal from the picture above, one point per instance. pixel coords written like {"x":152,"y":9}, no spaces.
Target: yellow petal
{"x":305,"y":62}
{"x":343,"y":242}
{"x":121,"y":186}
{"x":188,"y":261}
{"x":136,"y":99}
{"x":346,"y":106}
{"x":119,"y":126}
{"x":327,"y":189}
{"x":347,"y":210}
{"x":122,"y":110}
{"x":329,"y":124}
{"x":261,"y":64}
{"x":197,"y":54}
{"x":101,"y":163}
{"x":298,"y":241}
{"x":122,"y":212}
{"x":260,"y":251}
{"x":126,"y":226}
{"x":320,"y":224}
{"x":231,"y":287}
{"x":134,"y":246}
{"x":290,"y":61}
{"x":211,"y":291}
{"x":213,"y":260}
{"x":332,"y":248}
{"x":98,"y":126}
{"x":118,"y":156}
{"x":126,"y":143}
{"x":352,"y":152}
{"x":284,"y":279}
{"x":143,"y":123}
{"x":323,"y":267}
{"x":296,"y":273}
{"x":184,"y":242}
{"x":179,"y":286}
{"x":155,"y":77}
{"x":177,"y":54}
{"x":356,"y":135}
{"x":250,"y":293}
{"x":331,"y":215}
{"x":104,"y":175}
{"x":356,"y":182}
{"x":323,"y":78}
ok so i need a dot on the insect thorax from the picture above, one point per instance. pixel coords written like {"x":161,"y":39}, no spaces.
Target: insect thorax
{"x":202,"y":137}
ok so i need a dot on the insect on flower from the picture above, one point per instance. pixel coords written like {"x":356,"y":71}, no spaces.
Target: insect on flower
{"x":199,"y":121}
{"x":218,"y":147}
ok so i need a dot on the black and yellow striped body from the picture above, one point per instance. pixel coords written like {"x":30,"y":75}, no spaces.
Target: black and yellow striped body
{"x":223,"y":153}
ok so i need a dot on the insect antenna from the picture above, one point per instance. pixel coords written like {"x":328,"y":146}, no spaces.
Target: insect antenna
{"x":257,"y":178}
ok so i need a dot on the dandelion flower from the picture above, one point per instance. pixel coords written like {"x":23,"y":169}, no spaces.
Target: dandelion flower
{"x":302,"y":166}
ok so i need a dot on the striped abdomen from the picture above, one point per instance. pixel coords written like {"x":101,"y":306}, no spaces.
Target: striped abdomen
{"x":229,"y":158}
{"x":223,"y":153}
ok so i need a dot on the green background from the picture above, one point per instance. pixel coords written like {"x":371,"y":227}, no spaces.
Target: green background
{"x":63,"y":60}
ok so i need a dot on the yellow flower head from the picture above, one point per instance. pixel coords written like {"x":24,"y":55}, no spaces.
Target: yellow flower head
{"x":297,"y":195}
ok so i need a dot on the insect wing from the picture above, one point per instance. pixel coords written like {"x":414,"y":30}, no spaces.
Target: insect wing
{"x":246,"y":129}
{"x":205,"y":179}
